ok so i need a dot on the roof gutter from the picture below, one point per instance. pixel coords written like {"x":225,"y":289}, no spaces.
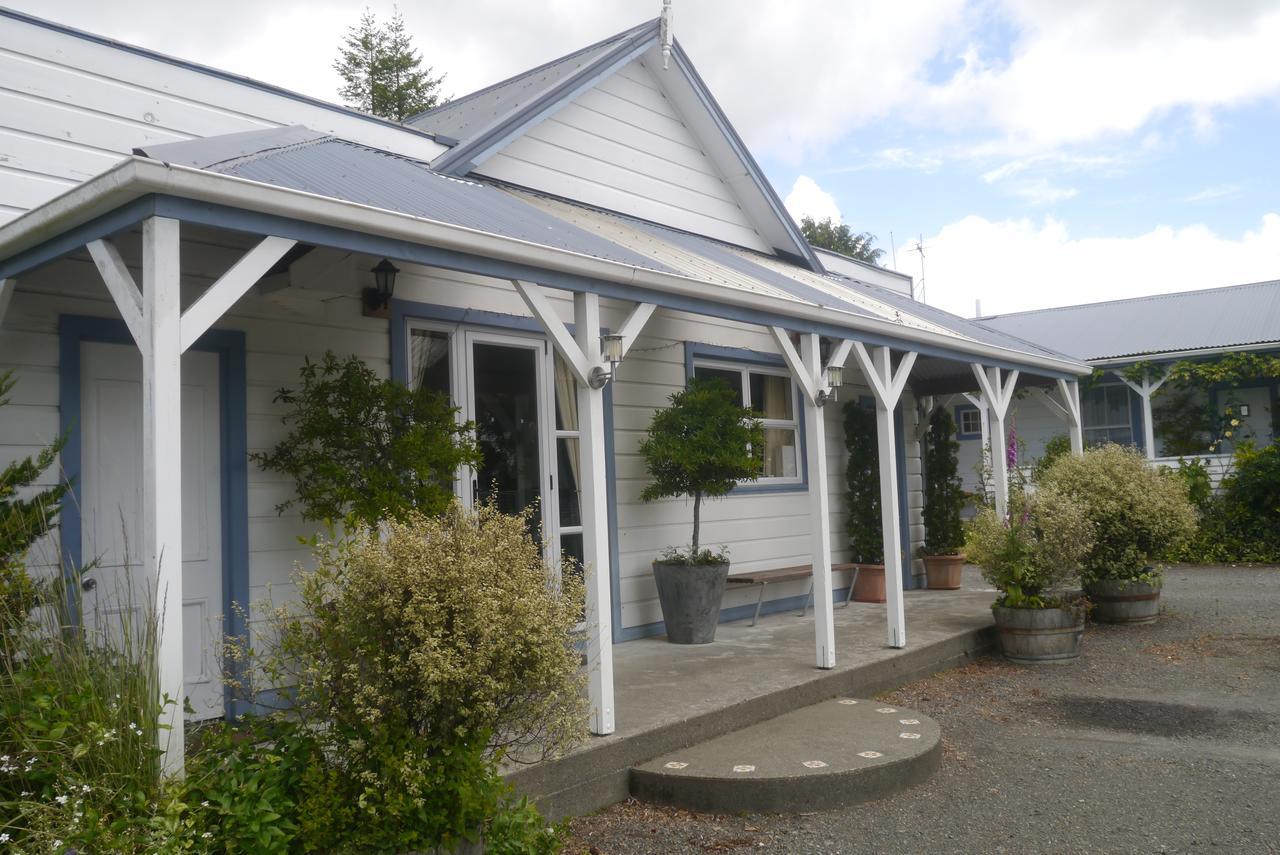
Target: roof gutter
{"x":136,"y":177}
{"x":1166,"y":355}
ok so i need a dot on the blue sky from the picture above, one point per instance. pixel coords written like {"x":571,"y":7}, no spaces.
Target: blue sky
{"x":1049,"y":152}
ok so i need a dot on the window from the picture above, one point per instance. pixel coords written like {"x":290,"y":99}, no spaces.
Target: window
{"x":772,"y":397}
{"x":968,"y":423}
{"x":1105,"y":414}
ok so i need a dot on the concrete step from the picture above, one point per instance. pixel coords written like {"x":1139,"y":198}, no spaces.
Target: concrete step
{"x":831,"y":754}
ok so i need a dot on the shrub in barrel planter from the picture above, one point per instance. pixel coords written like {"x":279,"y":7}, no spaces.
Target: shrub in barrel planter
{"x":1033,"y":558}
{"x":1140,"y":516}
{"x":863,"y":523}
{"x":943,"y":499}
{"x":701,"y":446}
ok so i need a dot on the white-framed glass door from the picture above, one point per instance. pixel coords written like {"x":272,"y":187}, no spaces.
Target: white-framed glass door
{"x":523,"y":401}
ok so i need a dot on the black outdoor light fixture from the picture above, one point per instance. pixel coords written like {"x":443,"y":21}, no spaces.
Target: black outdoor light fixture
{"x":610,"y":352}
{"x":384,"y":281}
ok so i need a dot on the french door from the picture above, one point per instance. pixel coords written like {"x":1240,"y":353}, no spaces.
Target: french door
{"x":523,"y":403}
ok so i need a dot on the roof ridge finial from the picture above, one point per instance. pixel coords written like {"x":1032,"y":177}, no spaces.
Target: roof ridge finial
{"x":664,"y":33}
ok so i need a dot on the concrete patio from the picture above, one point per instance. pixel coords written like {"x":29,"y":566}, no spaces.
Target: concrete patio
{"x":672,"y":696}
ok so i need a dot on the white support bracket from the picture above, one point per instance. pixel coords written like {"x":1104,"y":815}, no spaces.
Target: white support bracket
{"x":230,"y":287}
{"x":804,"y":375}
{"x":1145,"y":389}
{"x":1069,"y":390}
{"x":536,"y":299}
{"x":632,"y":326}
{"x":997,"y":393}
{"x":7,"y":287}
{"x":124,"y":291}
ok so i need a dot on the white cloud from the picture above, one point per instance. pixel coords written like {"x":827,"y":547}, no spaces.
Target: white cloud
{"x":807,"y":199}
{"x":1214,"y":193}
{"x":1040,"y":191}
{"x":1012,"y":265}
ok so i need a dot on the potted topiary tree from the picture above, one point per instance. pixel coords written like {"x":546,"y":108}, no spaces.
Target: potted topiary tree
{"x":944,"y":498}
{"x":1141,"y":515}
{"x":1033,"y":558}
{"x":862,"y":501}
{"x":700,"y":446}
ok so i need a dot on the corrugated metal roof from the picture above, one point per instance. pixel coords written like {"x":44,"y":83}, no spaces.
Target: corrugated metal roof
{"x":301,"y":159}
{"x":1230,"y":316}
{"x":462,"y":117}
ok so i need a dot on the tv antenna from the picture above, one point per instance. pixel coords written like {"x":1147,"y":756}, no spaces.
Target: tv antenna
{"x":919,"y":247}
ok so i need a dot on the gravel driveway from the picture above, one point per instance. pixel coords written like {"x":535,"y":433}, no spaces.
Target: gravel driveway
{"x":1164,"y":738}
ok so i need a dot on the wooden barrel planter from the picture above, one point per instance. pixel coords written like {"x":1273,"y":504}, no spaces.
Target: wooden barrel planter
{"x":1125,"y":601}
{"x":1040,"y":636}
{"x":944,"y":572}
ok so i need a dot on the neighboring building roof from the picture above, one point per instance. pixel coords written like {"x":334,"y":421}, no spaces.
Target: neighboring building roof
{"x":301,"y":159}
{"x":484,"y":122}
{"x":1210,"y":319}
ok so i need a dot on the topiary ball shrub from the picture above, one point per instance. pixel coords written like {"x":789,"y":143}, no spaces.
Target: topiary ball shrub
{"x":1140,"y":515}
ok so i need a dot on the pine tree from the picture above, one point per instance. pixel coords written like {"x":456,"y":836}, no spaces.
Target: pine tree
{"x":23,"y":521}
{"x":382,"y":71}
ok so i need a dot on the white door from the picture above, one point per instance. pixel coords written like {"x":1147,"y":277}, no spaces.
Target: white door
{"x":111,"y":473}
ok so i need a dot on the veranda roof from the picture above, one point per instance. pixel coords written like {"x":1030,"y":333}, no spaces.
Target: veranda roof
{"x":250,"y":181}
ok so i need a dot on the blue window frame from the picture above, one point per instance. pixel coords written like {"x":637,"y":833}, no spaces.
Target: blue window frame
{"x":968,"y":422}
{"x":764,"y":384}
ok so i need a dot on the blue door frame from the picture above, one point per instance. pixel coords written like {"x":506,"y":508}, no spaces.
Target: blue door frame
{"x":229,"y":345}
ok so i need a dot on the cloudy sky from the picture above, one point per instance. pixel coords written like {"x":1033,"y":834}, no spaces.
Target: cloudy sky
{"x":1047,"y":152}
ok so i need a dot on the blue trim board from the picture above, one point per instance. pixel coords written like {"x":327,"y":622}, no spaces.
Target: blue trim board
{"x":114,"y":221}
{"x":221,"y":216}
{"x":229,"y":345}
{"x":694,"y":350}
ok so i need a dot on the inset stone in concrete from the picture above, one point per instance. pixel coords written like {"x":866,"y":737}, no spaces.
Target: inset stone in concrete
{"x":818,"y":757}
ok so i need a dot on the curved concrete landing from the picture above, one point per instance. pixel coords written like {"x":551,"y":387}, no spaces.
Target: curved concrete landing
{"x":835,"y":753}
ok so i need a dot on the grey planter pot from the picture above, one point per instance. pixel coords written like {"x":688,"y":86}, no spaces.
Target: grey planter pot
{"x":1125,"y":601}
{"x":1040,"y":636}
{"x":690,"y":597}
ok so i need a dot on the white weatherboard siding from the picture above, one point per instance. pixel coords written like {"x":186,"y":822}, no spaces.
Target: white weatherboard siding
{"x":1035,"y":425}
{"x":623,"y":146}
{"x":71,"y":107}
{"x":762,"y":530}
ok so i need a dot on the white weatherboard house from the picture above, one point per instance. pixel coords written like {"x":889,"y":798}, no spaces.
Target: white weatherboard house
{"x":180,"y":239}
{"x":1153,"y":331}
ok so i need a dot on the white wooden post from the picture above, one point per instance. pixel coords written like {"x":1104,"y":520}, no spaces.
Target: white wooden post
{"x":162,"y":465}
{"x":7,"y":287}
{"x":595,"y":522}
{"x":1145,"y":389}
{"x":581,"y":352}
{"x":810,"y":375}
{"x":997,"y":395}
{"x":887,"y":386}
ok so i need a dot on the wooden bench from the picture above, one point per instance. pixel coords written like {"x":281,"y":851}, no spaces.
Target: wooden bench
{"x":765,"y":578}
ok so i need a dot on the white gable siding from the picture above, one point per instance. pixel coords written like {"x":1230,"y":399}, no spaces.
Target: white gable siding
{"x":70,"y":107}
{"x":623,"y":146}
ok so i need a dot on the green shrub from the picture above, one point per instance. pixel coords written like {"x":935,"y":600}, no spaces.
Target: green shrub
{"x":701,"y":446}
{"x":863,"y":523}
{"x":944,"y":495}
{"x":362,"y":448}
{"x":1057,"y":447}
{"x":79,"y":762}
{"x":1033,"y":557}
{"x":1140,"y":515}
{"x":1241,"y":522}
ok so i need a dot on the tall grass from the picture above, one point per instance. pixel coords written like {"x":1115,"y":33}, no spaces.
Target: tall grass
{"x":79,"y":714}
